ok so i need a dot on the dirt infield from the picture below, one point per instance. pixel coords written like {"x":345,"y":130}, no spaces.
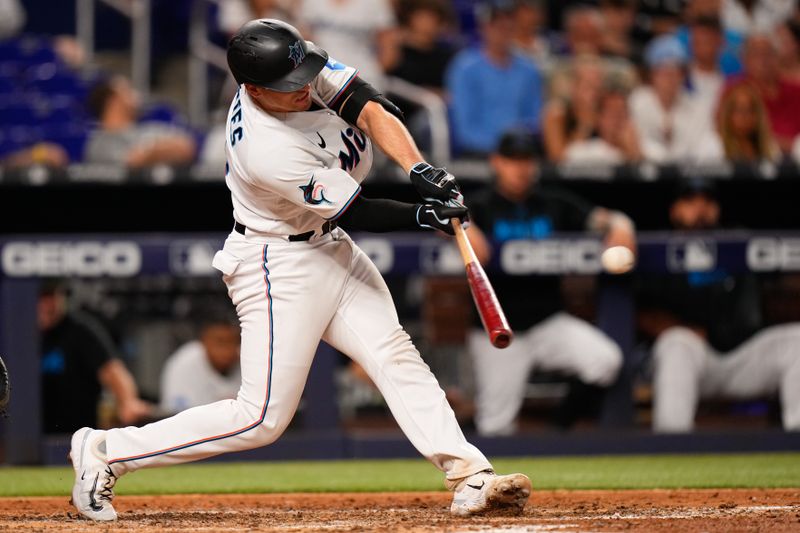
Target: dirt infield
{"x":564,"y":511}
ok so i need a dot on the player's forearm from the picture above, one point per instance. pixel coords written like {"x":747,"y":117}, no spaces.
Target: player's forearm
{"x":114,"y":376}
{"x":379,"y":215}
{"x":390,"y":135}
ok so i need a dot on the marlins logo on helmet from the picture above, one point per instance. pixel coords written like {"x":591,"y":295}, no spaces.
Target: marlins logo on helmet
{"x":296,"y":53}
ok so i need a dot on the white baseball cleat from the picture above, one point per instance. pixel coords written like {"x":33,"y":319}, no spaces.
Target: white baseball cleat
{"x":487,"y":493}
{"x":94,"y":479}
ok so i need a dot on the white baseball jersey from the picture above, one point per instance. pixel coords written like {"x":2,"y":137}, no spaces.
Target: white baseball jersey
{"x":290,"y":172}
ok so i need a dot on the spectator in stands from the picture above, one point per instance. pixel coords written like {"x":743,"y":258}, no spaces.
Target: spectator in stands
{"x":531,"y":35}
{"x":743,"y":132}
{"x":704,"y":76}
{"x":205,"y":370}
{"x":729,"y":56}
{"x":355,"y":32}
{"x":618,"y":21}
{"x":573,"y":117}
{"x":755,"y":16}
{"x":78,"y":361}
{"x":709,"y":336}
{"x":616,"y":141}
{"x":583,"y":31}
{"x":234,"y":13}
{"x":671,"y":122}
{"x":12,"y":18}
{"x":546,"y":338}
{"x":119,"y":139}
{"x":424,"y":53}
{"x":657,"y":17}
{"x":788,"y":37}
{"x":492,"y":87}
{"x":781,"y":97}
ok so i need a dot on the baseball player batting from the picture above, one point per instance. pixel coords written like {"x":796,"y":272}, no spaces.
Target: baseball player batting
{"x":299,"y":143}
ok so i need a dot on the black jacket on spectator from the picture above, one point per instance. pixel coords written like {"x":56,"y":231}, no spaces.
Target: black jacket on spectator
{"x":425,"y":68}
{"x":527,"y":300}
{"x":72,"y":354}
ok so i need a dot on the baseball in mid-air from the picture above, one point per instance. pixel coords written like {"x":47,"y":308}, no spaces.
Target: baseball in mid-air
{"x":617,"y":259}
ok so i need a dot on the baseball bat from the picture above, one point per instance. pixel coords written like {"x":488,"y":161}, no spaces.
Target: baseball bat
{"x":492,"y":315}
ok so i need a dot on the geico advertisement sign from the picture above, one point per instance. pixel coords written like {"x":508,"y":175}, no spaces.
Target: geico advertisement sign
{"x":87,"y":258}
{"x":551,"y":256}
{"x":766,"y":254}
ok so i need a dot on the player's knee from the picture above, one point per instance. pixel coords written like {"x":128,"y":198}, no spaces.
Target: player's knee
{"x":398,"y":350}
{"x":603,"y":363}
{"x":678,"y":346}
{"x":609,"y":363}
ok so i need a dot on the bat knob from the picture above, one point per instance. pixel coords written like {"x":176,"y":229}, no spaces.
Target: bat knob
{"x":501,"y":339}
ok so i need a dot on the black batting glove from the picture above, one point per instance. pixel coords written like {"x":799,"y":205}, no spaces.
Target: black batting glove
{"x":436,"y":216}
{"x":436,"y":185}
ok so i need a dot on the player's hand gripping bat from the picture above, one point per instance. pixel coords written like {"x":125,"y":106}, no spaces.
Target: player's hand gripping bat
{"x":492,"y":316}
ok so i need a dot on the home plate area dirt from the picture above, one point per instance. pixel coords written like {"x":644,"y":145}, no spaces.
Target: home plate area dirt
{"x":560,"y":511}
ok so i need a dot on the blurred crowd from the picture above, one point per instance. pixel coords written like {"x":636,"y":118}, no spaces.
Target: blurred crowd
{"x":602,"y":82}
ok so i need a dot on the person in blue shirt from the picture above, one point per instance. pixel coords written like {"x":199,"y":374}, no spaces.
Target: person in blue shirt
{"x":492,"y":87}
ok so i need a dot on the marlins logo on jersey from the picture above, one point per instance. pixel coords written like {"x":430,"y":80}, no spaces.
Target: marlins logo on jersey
{"x":313,"y":192}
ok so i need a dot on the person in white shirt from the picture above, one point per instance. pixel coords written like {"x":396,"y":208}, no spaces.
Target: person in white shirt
{"x":755,"y":16}
{"x":616,"y":141}
{"x":357,"y":32}
{"x":204,"y":370}
{"x":705,"y":78}
{"x":671,"y":121}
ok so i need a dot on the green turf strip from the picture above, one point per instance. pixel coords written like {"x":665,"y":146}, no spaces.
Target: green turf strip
{"x":606,"y":472}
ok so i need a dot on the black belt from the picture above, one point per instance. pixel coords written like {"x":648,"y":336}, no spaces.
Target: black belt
{"x":326,"y":228}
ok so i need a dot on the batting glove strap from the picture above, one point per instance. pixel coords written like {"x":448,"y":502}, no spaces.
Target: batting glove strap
{"x":437,"y":217}
{"x":435,"y":184}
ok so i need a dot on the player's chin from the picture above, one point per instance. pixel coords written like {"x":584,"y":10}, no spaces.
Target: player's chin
{"x":304,"y":103}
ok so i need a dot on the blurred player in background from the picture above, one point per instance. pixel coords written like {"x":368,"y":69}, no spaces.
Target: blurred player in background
{"x":708,"y":330}
{"x":78,"y":361}
{"x":204,"y":370}
{"x":546,"y":338}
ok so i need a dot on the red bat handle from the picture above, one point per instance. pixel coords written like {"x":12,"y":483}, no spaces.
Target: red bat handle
{"x":494,"y":321}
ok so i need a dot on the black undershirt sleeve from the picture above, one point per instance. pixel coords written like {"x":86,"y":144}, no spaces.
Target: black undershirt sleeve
{"x":379,"y":215}
{"x":355,"y":96}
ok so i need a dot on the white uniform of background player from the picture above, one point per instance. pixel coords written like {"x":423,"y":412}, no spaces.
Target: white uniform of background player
{"x":289,"y":174}
{"x":189,"y":379}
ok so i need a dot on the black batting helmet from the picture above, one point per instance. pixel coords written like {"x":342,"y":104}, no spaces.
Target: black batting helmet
{"x":271,"y":53}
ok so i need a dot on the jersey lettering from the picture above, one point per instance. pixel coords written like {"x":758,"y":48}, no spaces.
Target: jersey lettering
{"x":354,"y":147}
{"x":236,"y":133}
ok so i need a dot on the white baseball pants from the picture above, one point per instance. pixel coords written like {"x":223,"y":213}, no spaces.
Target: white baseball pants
{"x":688,"y":369}
{"x":288,"y":296}
{"x":562,"y":343}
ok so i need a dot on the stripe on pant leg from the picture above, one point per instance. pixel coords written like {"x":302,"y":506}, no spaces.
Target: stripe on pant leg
{"x":268,"y":292}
